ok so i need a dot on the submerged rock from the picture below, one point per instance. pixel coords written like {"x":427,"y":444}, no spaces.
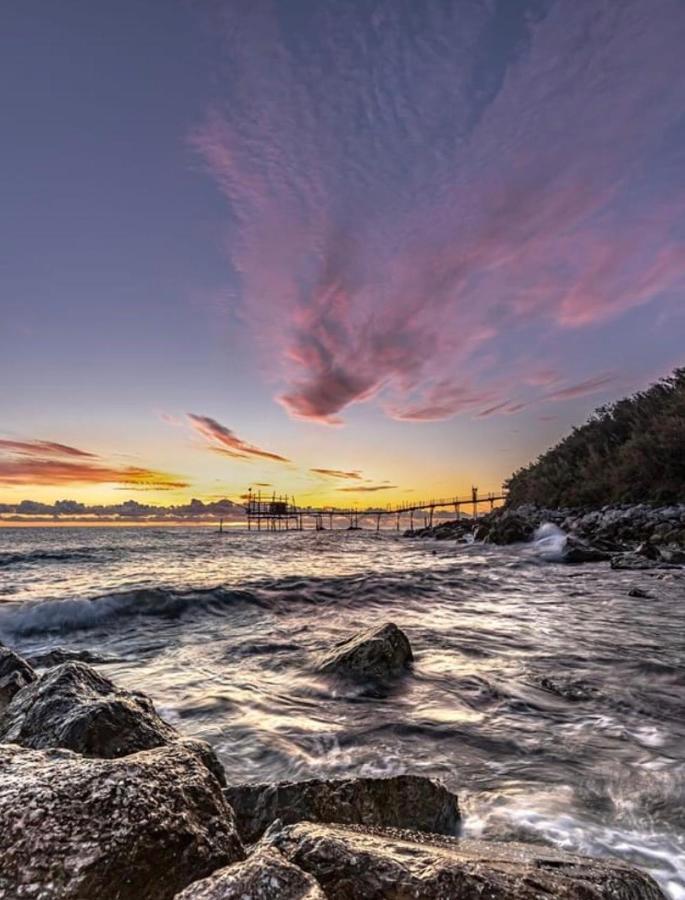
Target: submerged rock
{"x":15,"y":673}
{"x":265,"y":875}
{"x":639,"y":593}
{"x":403,"y":801}
{"x":362,"y":864}
{"x":140,"y":827}
{"x":574,"y":689}
{"x":77,"y":708}
{"x":380,"y":653}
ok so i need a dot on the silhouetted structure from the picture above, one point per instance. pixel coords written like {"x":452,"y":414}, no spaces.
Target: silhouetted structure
{"x":281,"y":513}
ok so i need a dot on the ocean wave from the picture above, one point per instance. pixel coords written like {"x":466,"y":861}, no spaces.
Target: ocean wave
{"x":77,"y":554}
{"x":45,"y":616}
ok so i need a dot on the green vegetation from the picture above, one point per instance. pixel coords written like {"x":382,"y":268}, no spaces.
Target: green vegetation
{"x":632,"y":451}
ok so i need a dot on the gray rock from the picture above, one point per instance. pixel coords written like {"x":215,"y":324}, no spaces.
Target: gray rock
{"x":59,"y":655}
{"x":403,"y":801}
{"x":574,"y":689}
{"x":265,"y":875}
{"x":637,"y":562}
{"x":77,"y":708}
{"x":577,"y":551}
{"x":140,"y":827}
{"x":639,"y":594}
{"x":672,"y":553}
{"x":378,"y":653}
{"x":15,"y":673}
{"x":360,"y":864}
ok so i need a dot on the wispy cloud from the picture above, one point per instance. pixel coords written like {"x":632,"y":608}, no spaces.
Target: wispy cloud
{"x":42,"y":448}
{"x":367,"y":488}
{"x":37,"y":462}
{"x":223,"y":440}
{"x":392,"y":244}
{"x":337,"y":473}
{"x":582,"y":388}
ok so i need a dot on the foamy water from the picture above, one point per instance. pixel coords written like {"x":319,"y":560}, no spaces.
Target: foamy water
{"x":546,"y":696}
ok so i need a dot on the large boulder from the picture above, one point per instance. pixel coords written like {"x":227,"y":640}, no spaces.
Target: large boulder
{"x":513,"y":527}
{"x":265,"y":875}
{"x":377,"y":653}
{"x":403,"y":801}
{"x":15,"y":673}
{"x":637,"y":562}
{"x":144,"y":826}
{"x":362,"y":864}
{"x":75,"y":707}
{"x":577,"y":551}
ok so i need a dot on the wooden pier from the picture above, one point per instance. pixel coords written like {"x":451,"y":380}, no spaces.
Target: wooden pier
{"x":282,"y":513}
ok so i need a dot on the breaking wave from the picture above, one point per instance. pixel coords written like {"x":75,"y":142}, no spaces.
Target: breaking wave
{"x":549,"y":541}
{"x":46,"y":616}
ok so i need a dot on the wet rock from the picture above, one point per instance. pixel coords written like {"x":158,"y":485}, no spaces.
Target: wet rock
{"x":75,"y":707}
{"x":144,"y":826}
{"x":671,"y":553}
{"x":577,"y":551}
{"x":58,"y":655}
{"x":403,"y":801}
{"x":265,"y":875}
{"x":378,"y":653}
{"x":639,"y":594}
{"x":574,"y":689}
{"x":636,"y":562}
{"x":512,"y":528}
{"x":15,"y":673}
{"x":360,"y":864}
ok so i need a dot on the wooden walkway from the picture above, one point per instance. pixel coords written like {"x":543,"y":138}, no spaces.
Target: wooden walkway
{"x":282,"y":513}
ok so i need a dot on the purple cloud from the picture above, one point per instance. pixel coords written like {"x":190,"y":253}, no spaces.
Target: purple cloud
{"x":403,"y":200}
{"x":223,"y":440}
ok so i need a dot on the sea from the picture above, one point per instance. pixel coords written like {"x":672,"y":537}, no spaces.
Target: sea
{"x":545,"y":695}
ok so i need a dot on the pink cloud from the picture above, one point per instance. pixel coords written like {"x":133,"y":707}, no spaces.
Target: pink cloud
{"x":223,"y":440}
{"x":391,"y":244}
{"x":42,"y":449}
{"x":582,"y":388}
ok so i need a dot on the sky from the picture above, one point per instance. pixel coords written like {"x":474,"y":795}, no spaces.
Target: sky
{"x":355,"y":251}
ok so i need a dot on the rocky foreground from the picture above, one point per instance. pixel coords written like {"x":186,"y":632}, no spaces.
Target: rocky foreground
{"x":100,"y":799}
{"x":630,"y":537}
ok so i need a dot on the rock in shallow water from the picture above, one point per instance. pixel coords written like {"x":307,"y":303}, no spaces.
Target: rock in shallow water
{"x":577,"y":551}
{"x":74,"y":707}
{"x":403,"y":801}
{"x":265,"y":875}
{"x":140,"y":827}
{"x":360,"y":864}
{"x":378,"y":653}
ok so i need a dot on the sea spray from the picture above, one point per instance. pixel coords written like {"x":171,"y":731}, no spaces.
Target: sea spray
{"x":550,"y":542}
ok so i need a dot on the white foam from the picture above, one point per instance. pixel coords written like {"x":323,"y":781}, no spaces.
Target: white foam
{"x":549,"y":541}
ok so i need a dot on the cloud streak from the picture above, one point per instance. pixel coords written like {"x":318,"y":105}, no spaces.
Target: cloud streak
{"x":42,"y":448}
{"x":337,"y":473}
{"x":47,"y":463}
{"x":368,"y":488}
{"x":223,"y":440}
{"x":485,"y":173}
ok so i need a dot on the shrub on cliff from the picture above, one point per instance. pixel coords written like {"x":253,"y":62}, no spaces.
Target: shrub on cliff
{"x":630,"y":451}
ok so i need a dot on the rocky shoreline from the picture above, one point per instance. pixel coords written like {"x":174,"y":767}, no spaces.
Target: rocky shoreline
{"x":635,"y":536}
{"x":101,"y":798}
